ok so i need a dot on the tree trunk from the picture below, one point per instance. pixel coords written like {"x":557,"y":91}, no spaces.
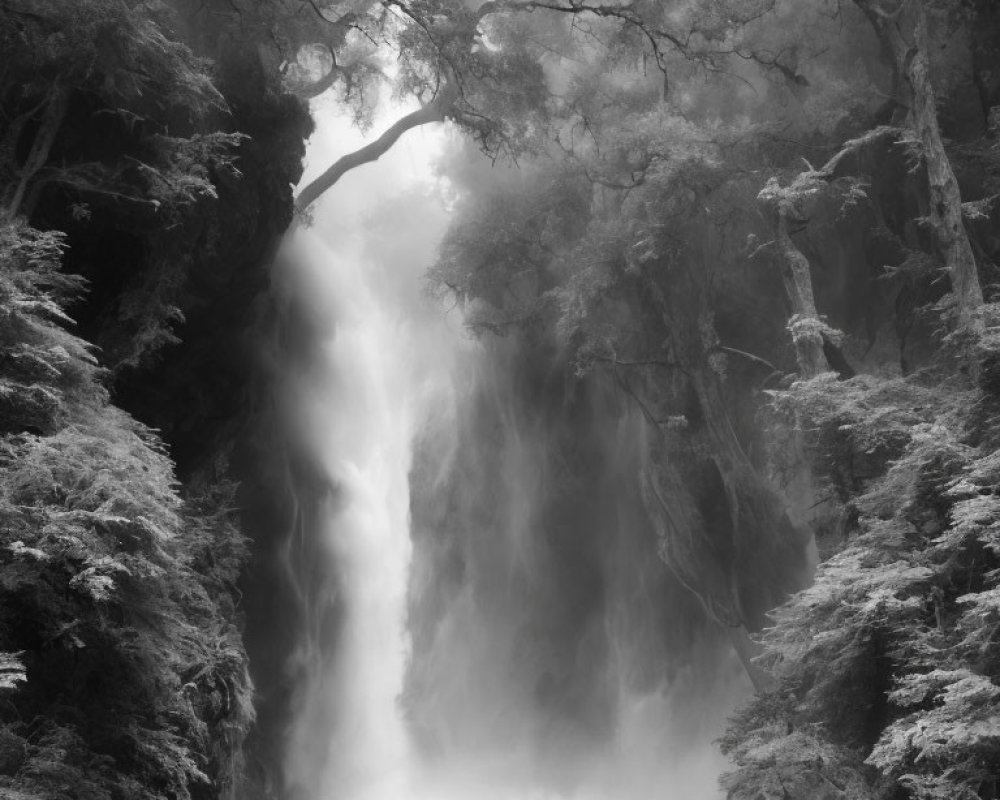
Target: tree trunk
{"x":805,"y":320}
{"x":38,"y":155}
{"x":912,"y":64}
{"x":776,"y":205}
{"x":945,"y":199}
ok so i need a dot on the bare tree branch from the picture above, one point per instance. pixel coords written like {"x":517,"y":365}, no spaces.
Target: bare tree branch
{"x":52,"y":119}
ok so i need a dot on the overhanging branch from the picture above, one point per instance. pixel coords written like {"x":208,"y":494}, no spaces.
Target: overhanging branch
{"x":434,"y":111}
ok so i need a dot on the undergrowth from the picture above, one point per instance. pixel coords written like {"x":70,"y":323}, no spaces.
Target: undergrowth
{"x":886,"y":669}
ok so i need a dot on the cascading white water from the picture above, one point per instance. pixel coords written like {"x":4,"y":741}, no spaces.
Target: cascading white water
{"x":363,"y":429}
{"x":358,"y":412}
{"x":370,"y":367}
{"x":506,"y":714}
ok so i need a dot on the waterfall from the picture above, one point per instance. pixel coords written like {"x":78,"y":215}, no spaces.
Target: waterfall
{"x":487,"y":615}
{"x":554,"y":654}
{"x":359,"y":417}
{"x":374,"y":353}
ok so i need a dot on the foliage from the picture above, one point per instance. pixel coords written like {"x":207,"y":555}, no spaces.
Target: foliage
{"x":126,"y":53}
{"x":608,"y":260}
{"x":187,"y":165}
{"x":853,"y":429}
{"x":886,"y":665}
{"x":648,"y":127}
{"x":777,"y":763}
{"x":122,"y":54}
{"x":43,"y":366}
{"x":949,"y":749}
{"x":114,"y":588}
{"x":890,"y":653}
{"x":499,"y":256}
{"x":111,"y":115}
{"x":132,"y":203}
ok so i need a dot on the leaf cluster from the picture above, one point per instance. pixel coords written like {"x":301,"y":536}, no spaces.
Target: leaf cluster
{"x":43,"y":367}
{"x":891,"y":651}
{"x":122,"y":660}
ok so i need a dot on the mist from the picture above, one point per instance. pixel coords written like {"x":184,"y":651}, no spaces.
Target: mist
{"x":605,"y":407}
{"x":488,"y":615}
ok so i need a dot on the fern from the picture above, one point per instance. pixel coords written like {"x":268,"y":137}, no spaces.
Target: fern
{"x":897,"y":634}
{"x":944,"y":751}
{"x":43,"y":367}
{"x":108,"y":563}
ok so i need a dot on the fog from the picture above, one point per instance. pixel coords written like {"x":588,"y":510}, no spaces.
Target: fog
{"x":489,"y":618}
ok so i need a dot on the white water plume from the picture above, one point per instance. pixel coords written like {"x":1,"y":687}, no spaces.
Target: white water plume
{"x":358,"y":416}
{"x":375,"y":355}
{"x":534,"y":672}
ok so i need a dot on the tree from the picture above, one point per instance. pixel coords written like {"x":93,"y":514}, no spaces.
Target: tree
{"x":790,"y":208}
{"x":114,"y":122}
{"x":610,"y":251}
{"x":44,"y":368}
{"x":883,"y":672}
{"x":435,"y":111}
{"x":885,"y":658}
{"x":904,"y":29}
{"x":122,"y":666}
{"x":125,"y":57}
{"x":455,"y":76}
{"x":113,"y":587}
{"x":463,"y":65}
{"x":782,"y":208}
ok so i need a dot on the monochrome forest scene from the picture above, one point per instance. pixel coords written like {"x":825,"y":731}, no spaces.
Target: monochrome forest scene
{"x":499,"y":400}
